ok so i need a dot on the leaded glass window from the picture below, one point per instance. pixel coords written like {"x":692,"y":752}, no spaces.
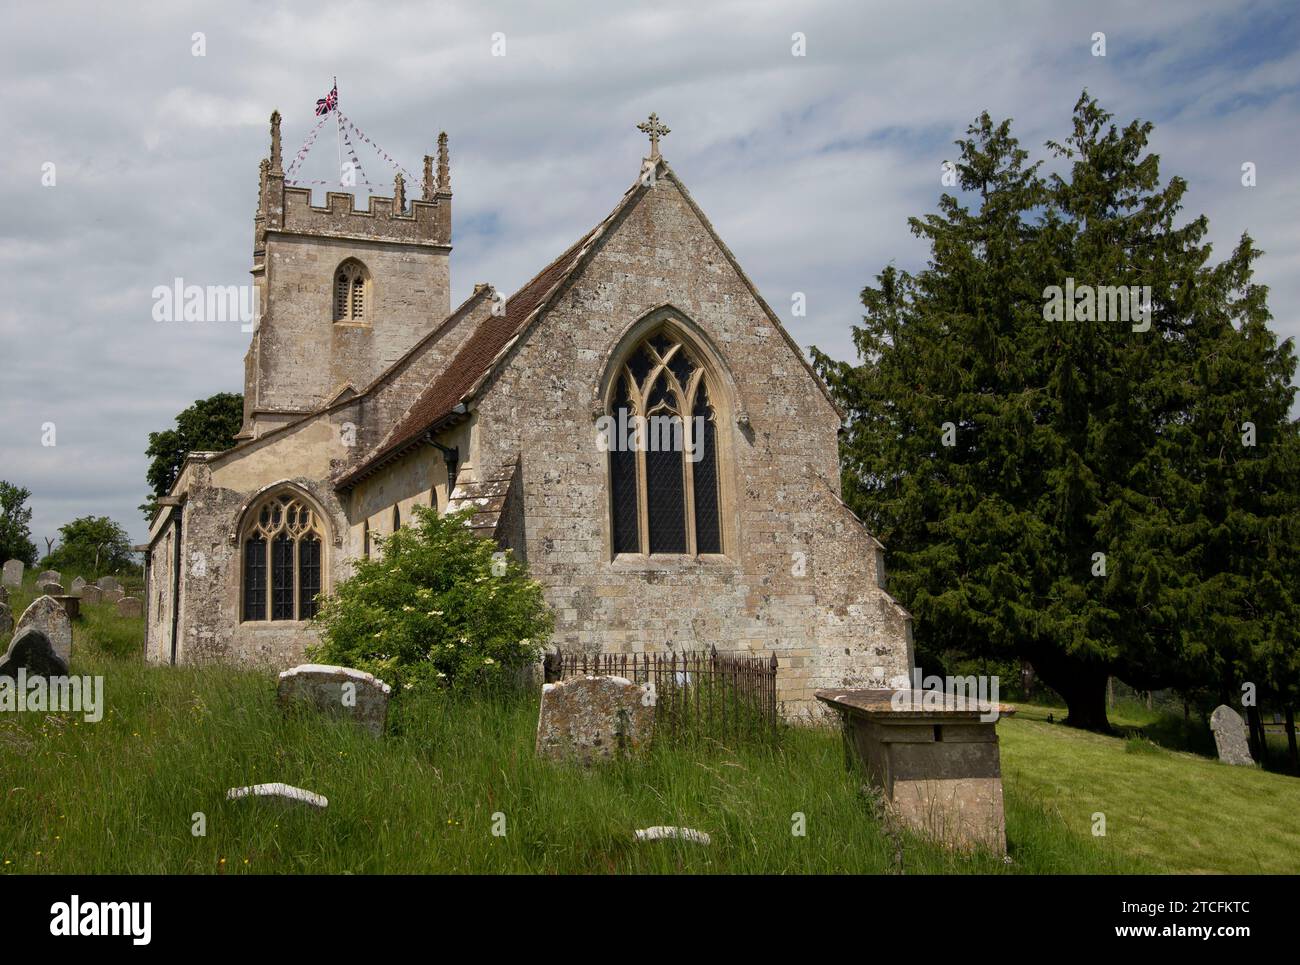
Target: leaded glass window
{"x":282,"y":560}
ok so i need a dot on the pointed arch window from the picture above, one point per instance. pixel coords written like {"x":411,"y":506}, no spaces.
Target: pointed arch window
{"x":282,"y":560}
{"x":663,"y":458}
{"x":351,"y":292}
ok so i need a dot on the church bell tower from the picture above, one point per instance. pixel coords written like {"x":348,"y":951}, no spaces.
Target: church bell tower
{"x":343,"y":293}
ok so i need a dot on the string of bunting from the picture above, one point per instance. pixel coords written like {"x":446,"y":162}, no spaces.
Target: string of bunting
{"x":361,"y":135}
{"x":352,"y":156}
{"x":306,"y":147}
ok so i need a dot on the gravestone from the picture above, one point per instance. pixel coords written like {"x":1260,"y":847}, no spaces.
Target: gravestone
{"x":111,"y":595}
{"x":50,"y":588}
{"x":13,"y":573}
{"x":130,"y":606}
{"x":32,"y":651}
{"x":77,"y":585}
{"x":593,"y":718}
{"x":6,"y":621}
{"x":4,"y":594}
{"x":49,"y":576}
{"x":108,"y":583}
{"x":668,"y":833}
{"x":90,"y":593}
{"x":71,"y":605}
{"x":48,"y":616}
{"x":278,"y":791}
{"x":341,"y":691}
{"x":1230,"y":736}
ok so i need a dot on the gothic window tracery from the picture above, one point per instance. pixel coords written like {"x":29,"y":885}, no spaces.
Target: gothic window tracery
{"x":282,"y":559}
{"x":664,"y":481}
{"x":350,"y":292}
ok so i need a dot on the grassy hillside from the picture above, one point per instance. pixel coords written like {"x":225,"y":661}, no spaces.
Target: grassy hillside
{"x":121,"y":795}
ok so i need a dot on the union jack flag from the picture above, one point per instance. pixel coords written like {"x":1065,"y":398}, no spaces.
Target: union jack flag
{"x":328,"y":102}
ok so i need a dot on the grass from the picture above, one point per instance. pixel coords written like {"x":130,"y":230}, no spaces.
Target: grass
{"x":123,"y":795}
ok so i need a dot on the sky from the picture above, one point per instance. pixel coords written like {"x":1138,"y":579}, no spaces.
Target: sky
{"x":808,"y":164}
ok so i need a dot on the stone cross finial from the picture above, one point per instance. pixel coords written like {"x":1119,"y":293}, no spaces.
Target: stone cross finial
{"x":444,"y":168}
{"x":275,"y":141}
{"x":399,"y":192}
{"x":656,"y":130}
{"x":427,"y":192}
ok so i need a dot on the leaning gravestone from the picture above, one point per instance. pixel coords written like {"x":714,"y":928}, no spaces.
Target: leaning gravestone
{"x":50,"y":588}
{"x":593,"y":718}
{"x":90,"y":593}
{"x":49,"y":576}
{"x":48,"y":616}
{"x":1230,"y":736}
{"x":108,"y":583}
{"x":31,"y":650}
{"x":6,"y":621}
{"x":342,"y":691}
{"x":13,"y":573}
{"x":77,"y":585}
{"x":129,"y":606}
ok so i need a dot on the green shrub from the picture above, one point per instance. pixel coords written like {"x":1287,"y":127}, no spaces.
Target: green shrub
{"x":437,"y":606}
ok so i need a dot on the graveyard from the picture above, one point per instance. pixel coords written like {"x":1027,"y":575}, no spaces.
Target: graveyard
{"x":455,"y":785}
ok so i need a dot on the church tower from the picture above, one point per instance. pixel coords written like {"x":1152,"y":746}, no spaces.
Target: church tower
{"x":343,"y":292}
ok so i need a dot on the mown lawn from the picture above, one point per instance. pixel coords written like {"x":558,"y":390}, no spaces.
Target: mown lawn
{"x":123,"y":795}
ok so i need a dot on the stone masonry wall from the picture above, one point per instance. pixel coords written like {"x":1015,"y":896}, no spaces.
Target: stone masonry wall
{"x":801,"y":576}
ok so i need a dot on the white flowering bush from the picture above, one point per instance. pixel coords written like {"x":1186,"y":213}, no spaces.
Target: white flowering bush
{"x":435,"y":606}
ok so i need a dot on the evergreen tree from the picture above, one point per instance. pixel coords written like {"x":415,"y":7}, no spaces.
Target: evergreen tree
{"x":1029,"y":459}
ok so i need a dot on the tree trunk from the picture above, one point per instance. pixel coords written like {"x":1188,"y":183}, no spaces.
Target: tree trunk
{"x":1290,"y":738}
{"x":1084,"y":688}
{"x":1257,"y":738}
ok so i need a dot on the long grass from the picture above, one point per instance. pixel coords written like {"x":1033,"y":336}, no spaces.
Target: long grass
{"x":128,"y":794}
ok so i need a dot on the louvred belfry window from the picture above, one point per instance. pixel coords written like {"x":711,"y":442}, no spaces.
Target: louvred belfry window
{"x":350,"y":292}
{"x":663,"y":501}
{"x":282,"y":560}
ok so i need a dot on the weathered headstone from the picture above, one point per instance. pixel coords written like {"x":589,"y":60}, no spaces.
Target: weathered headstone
{"x":283,"y":792}
{"x":1230,"y":736}
{"x":111,"y":595}
{"x":669,"y":833}
{"x":343,"y":691}
{"x":49,"y":576}
{"x":48,"y":616}
{"x":32,"y":650}
{"x":77,"y":585}
{"x":90,"y":593}
{"x":12,"y":573}
{"x":130,"y":606}
{"x":50,"y":588}
{"x":593,"y":718}
{"x":6,"y":621}
{"x":71,"y":605}
{"x":108,"y":583}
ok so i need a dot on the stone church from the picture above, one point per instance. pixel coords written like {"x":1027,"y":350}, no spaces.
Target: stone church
{"x":367,"y":394}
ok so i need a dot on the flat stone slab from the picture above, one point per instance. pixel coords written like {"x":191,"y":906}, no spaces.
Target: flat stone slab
{"x":31,"y":650}
{"x":1231,"y":738}
{"x":593,"y":718}
{"x":278,"y":791}
{"x":916,"y":704}
{"x":48,"y":615}
{"x":340,"y":691}
{"x":669,"y":833}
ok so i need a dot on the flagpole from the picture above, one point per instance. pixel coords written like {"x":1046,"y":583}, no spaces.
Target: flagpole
{"x":338,"y":130}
